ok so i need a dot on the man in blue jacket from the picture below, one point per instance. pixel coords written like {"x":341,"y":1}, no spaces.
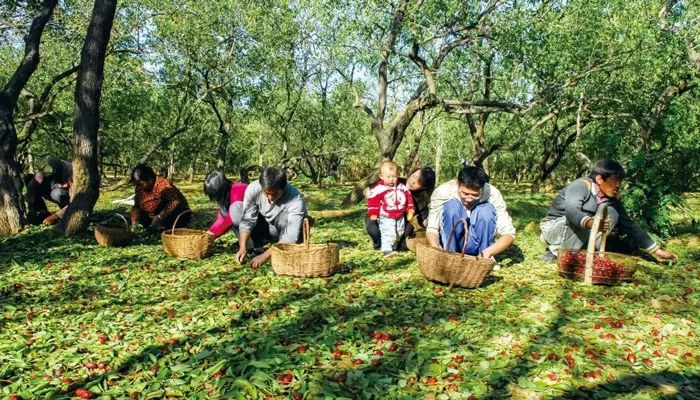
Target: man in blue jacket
{"x":570,"y":217}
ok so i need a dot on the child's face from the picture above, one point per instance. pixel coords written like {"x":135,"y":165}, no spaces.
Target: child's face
{"x":389,"y":176}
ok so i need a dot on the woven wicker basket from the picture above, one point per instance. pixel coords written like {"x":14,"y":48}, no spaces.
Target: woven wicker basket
{"x":455,"y":269}
{"x":187,"y":243}
{"x":113,"y":235}
{"x":305,"y":260}
{"x":596,"y":267}
{"x":419,"y":237}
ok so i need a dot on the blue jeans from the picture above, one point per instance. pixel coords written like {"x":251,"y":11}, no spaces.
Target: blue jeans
{"x":390,"y":230}
{"x":481,"y":222}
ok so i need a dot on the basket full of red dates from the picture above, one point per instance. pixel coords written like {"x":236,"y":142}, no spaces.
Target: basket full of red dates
{"x":608,"y":268}
{"x":596,"y":267}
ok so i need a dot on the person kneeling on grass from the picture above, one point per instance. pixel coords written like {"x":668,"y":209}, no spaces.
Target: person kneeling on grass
{"x":273,"y":211}
{"x":389,"y":201}
{"x":472,"y":198}
{"x":157,"y":202}
{"x":570,"y":217}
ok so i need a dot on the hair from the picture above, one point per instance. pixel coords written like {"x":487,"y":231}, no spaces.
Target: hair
{"x":273,"y":178}
{"x":472,"y":177}
{"x":606,"y":169}
{"x":389,"y":164}
{"x":142,"y":172}
{"x":427,"y":178}
{"x":52,"y":167}
{"x":218,"y":189}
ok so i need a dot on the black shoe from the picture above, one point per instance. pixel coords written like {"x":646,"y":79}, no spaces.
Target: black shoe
{"x":376,"y":246}
{"x":548,"y":257}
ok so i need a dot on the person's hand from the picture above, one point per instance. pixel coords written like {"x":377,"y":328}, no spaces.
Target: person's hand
{"x":241,"y":254}
{"x":257,"y":261}
{"x":373,"y":217}
{"x":156,"y":222}
{"x":604,"y":224}
{"x":663,"y":255}
{"x":410,"y":215}
{"x":132,"y":228}
{"x":486,"y":253}
{"x":51,"y":219}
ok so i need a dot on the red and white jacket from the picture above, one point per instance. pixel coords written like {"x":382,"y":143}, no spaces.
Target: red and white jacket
{"x":389,"y":202}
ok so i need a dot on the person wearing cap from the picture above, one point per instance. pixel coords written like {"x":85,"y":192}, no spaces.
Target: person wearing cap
{"x":570,"y":217}
{"x":53,"y":182}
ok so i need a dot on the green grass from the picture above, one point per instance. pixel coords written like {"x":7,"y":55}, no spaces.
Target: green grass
{"x":216,"y":329}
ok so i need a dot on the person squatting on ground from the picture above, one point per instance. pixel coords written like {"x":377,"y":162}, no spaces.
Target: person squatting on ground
{"x":53,"y":182}
{"x":390,"y":202}
{"x":157,"y":202}
{"x":421,"y":183}
{"x":470,"y":197}
{"x":273,"y":211}
{"x":570,"y":217}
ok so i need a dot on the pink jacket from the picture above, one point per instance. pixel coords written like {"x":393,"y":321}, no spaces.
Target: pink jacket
{"x":389,"y":202}
{"x":223,"y":224}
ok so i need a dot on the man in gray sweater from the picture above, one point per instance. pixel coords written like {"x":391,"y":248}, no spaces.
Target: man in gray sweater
{"x":273,"y":211}
{"x":570,"y":217}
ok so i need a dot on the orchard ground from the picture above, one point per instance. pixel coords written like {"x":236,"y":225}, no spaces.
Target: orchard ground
{"x":133,"y":322}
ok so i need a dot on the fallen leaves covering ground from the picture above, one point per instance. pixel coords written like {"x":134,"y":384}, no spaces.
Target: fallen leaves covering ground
{"x":82,"y":320}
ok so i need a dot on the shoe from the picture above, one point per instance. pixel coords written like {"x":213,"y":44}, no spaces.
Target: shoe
{"x":389,"y":254}
{"x":548,"y":257}
{"x":376,"y":246}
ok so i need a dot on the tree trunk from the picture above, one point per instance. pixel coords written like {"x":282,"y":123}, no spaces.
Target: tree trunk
{"x":225,"y":131}
{"x":438,"y":157}
{"x":12,"y":209}
{"x":88,"y":91}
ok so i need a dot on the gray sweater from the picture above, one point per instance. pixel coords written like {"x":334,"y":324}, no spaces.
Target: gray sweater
{"x":578,"y":203}
{"x":286,"y":214}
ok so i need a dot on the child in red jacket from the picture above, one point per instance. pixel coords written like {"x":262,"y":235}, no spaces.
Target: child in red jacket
{"x":389,"y":201}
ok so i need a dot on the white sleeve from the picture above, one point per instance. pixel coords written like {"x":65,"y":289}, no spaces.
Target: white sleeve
{"x":504,"y":224}
{"x":442,"y":194}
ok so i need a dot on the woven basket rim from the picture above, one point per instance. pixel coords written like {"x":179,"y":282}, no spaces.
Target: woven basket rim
{"x":452,"y":253}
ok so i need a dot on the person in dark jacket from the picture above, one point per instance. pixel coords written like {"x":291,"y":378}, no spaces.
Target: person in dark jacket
{"x":421,"y":183}
{"x":52,"y":182}
{"x":570,"y":217}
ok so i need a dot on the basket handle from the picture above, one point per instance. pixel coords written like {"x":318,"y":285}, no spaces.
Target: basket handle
{"x":126,"y":223}
{"x":172,"y":231}
{"x":466,"y":233}
{"x":600,"y":215}
{"x":307,"y":232}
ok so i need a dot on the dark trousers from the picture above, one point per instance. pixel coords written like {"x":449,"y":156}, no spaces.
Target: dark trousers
{"x":37,"y":192}
{"x":372,"y":228}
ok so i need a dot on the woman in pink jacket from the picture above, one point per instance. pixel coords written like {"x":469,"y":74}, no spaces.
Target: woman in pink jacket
{"x":228,"y":196}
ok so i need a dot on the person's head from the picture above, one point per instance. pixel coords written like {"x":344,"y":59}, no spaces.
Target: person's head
{"x":471,"y":181}
{"x":217,"y":188}
{"x":389,"y":173}
{"x":608,"y":175}
{"x":143,"y":177}
{"x":421,"y":179}
{"x":51,"y":168}
{"x":273,"y":182}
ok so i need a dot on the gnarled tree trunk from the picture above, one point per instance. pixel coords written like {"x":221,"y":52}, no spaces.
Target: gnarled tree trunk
{"x":12,"y":212}
{"x":88,"y":91}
